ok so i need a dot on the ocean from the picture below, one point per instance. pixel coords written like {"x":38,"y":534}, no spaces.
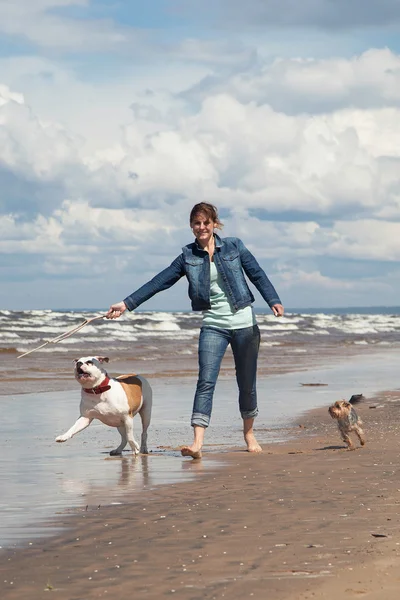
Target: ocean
{"x":164,"y":344}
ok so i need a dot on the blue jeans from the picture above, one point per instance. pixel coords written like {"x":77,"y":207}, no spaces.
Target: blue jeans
{"x":213,"y":343}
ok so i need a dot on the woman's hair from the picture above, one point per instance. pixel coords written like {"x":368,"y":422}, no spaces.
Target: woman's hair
{"x":209,"y":210}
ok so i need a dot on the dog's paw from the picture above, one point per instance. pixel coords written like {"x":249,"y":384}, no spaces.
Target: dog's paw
{"x":61,"y":438}
{"x":116,"y":452}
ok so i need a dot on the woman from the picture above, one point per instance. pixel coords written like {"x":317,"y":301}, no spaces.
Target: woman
{"x":215,"y":270}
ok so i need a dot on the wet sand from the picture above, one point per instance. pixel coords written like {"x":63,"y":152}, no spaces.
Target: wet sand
{"x":40,"y":479}
{"x":305,"y":519}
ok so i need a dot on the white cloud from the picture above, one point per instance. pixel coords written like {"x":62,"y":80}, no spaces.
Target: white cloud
{"x":314,"y":280}
{"x":367,"y":239}
{"x":39,"y":159}
{"x":34,"y":145}
{"x":6,"y":95}
{"x":217,"y":52}
{"x":312,"y":85}
{"x":297,"y":186}
{"x":311,"y":288}
{"x":40,"y":22}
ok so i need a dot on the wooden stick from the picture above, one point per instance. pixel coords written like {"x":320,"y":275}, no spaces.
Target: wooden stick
{"x":64,"y":335}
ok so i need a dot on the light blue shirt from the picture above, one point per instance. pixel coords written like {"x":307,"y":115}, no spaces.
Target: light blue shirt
{"x":221,"y":314}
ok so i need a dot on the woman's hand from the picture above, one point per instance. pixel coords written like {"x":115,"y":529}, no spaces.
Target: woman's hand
{"x":278,"y":310}
{"x":116,"y":310}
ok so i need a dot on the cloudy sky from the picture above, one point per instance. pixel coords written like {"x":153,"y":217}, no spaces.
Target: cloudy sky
{"x":117,"y":116}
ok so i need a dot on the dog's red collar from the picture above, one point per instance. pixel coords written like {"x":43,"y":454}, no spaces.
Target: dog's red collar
{"x":103,"y":387}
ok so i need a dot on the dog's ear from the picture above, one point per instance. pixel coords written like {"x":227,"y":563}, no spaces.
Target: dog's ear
{"x":75,"y":360}
{"x":102,"y":359}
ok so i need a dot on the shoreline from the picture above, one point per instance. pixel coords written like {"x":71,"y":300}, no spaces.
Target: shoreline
{"x":166,"y":358}
{"x":47,"y":380}
{"x":303,"y":516}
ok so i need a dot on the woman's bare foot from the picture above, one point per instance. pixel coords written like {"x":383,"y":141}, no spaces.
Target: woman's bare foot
{"x":249,"y":437}
{"x":251,"y":442}
{"x":191,"y":451}
{"x":195,"y":449}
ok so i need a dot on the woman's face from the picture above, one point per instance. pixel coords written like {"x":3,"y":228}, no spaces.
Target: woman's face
{"x":203,"y":228}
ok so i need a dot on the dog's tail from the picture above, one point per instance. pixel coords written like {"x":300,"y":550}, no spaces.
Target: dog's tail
{"x":356,"y":398}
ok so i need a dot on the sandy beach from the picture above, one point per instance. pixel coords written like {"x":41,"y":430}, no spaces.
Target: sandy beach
{"x":305,"y":519}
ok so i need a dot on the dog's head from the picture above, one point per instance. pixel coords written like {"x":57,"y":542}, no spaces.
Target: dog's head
{"x":340,"y":409}
{"x":89,"y":371}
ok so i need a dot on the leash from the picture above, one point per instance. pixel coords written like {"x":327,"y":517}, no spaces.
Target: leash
{"x":64,"y":335}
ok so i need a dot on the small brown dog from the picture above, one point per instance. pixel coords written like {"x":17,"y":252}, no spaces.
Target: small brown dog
{"x":348,"y":420}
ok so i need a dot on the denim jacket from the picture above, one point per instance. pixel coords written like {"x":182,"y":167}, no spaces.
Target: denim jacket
{"x":232,"y":260}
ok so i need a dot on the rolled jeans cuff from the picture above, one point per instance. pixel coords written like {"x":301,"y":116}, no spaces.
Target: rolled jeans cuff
{"x":249,"y":414}
{"x":200,"y":419}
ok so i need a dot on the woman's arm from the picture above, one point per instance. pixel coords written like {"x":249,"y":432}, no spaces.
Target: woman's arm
{"x":162,"y":281}
{"x":259,"y":279}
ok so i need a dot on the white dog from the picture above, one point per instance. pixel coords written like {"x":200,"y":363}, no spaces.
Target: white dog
{"x":113,"y":401}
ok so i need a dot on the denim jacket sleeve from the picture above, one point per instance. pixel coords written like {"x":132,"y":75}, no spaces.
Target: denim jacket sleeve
{"x":257,"y":276}
{"x":162,"y":281}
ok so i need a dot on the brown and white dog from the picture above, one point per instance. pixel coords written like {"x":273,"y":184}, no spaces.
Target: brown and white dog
{"x":113,"y":401}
